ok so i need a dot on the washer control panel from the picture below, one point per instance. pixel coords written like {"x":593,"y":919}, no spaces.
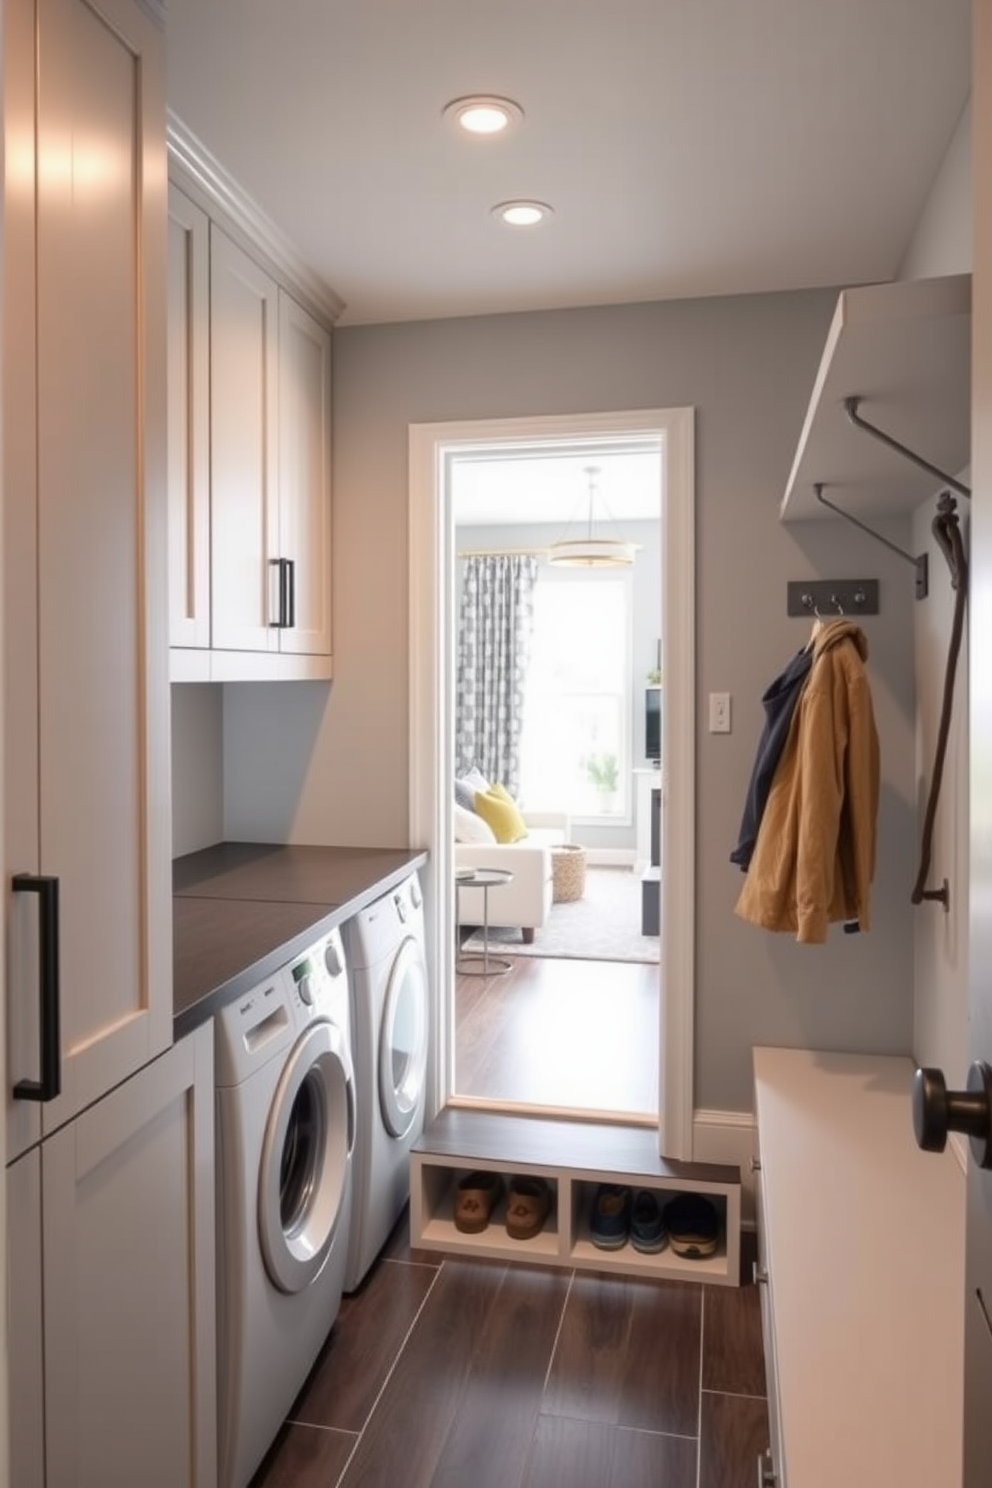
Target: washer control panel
{"x":317,"y":975}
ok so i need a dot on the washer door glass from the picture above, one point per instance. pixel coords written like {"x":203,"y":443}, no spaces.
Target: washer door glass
{"x":305,"y":1158}
{"x":403,"y":1040}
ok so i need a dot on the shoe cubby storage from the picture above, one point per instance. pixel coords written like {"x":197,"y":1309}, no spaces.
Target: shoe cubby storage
{"x":574,"y":1158}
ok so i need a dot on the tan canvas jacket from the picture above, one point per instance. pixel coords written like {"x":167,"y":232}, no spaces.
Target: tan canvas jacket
{"x":814,"y":858}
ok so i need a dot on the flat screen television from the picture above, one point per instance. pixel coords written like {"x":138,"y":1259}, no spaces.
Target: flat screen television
{"x":652,"y":724}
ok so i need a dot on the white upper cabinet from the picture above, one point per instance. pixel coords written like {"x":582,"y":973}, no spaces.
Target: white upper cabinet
{"x":86,"y":703}
{"x":250,"y":458}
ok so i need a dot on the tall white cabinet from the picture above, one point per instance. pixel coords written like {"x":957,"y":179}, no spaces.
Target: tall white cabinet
{"x":93,"y":1088}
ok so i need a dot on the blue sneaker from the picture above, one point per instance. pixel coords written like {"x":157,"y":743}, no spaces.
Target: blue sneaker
{"x":609,"y":1221}
{"x":647,"y":1223}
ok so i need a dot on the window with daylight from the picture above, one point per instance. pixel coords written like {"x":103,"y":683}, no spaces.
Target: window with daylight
{"x":574,"y":741}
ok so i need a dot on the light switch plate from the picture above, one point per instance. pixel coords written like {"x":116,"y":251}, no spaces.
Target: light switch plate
{"x":719,"y":712}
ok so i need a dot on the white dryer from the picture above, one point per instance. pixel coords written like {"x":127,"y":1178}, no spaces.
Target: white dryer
{"x":285,"y":1134}
{"x":384,"y":945}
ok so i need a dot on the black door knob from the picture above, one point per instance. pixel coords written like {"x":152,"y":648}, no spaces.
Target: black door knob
{"x":937,"y":1111}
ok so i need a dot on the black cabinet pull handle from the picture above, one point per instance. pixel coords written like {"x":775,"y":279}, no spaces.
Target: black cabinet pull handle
{"x":290,"y":592}
{"x":286,"y":617}
{"x":47,"y":889}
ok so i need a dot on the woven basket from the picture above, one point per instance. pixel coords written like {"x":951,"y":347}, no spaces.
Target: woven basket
{"x":568,"y":868}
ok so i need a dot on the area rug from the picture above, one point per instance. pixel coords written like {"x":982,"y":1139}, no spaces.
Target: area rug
{"x":604,"y":925}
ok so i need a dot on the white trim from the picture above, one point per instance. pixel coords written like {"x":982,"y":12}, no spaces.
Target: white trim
{"x":728,"y":1137}
{"x":678,"y":788}
{"x":193,"y":168}
{"x":431,"y":653}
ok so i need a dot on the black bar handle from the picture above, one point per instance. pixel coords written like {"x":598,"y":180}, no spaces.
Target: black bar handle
{"x":279,"y":623}
{"x":47,"y":889}
{"x":291,"y":592}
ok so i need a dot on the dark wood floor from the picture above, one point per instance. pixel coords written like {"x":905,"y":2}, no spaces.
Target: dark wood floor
{"x":443,"y":1372}
{"x":576,"y":1035}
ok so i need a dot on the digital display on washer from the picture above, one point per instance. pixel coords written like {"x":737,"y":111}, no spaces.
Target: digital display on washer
{"x":301,"y":970}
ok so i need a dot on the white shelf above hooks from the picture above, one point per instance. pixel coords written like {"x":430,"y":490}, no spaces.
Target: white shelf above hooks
{"x":904,"y":351}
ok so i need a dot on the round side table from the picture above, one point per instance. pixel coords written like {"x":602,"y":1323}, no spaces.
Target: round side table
{"x":480,"y":963}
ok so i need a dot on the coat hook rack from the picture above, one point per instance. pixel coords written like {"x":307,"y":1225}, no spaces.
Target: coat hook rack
{"x":921,"y":563}
{"x":829,"y":599}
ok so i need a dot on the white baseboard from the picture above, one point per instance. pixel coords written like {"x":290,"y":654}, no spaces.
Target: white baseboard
{"x":728,"y":1137}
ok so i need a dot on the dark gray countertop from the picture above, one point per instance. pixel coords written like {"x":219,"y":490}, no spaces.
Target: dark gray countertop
{"x":242,"y":909}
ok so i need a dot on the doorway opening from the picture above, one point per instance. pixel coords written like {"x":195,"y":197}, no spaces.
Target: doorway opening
{"x":435,"y":450}
{"x":568,"y":1016}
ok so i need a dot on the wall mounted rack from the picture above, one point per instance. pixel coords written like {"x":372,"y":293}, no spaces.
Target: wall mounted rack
{"x":827,"y":599}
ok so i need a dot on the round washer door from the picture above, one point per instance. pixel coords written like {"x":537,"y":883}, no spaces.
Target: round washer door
{"x":403,"y":1039}
{"x":305,"y":1154}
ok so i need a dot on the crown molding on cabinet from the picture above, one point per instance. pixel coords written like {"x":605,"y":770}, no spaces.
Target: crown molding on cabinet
{"x":192,"y":166}
{"x":904,"y":350}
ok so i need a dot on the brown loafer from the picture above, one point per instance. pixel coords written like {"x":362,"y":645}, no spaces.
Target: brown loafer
{"x":527,"y":1207}
{"x":475,"y":1201}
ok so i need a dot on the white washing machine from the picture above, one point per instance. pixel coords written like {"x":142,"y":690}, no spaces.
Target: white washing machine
{"x":384,"y":945}
{"x":285,"y":1135}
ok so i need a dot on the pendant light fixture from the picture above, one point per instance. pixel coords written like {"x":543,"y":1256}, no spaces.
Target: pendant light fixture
{"x":594,"y":550}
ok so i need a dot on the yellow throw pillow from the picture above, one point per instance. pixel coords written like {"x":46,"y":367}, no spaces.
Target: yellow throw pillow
{"x":497,"y":807}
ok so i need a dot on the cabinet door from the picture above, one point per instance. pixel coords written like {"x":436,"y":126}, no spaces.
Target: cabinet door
{"x":130,"y":1354}
{"x":189,"y":422}
{"x":305,"y":475}
{"x":24,"y":1322}
{"x":244,"y":347}
{"x":86,"y":708}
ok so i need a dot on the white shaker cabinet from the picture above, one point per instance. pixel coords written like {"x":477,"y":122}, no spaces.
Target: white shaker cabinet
{"x":250,"y":455}
{"x":112,"y":1328}
{"x":86,"y":702}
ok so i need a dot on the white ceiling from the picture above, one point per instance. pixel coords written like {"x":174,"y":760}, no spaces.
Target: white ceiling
{"x":688,"y":147}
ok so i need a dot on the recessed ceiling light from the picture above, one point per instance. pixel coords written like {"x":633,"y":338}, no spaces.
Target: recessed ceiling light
{"x":523,"y":213}
{"x":483,"y":113}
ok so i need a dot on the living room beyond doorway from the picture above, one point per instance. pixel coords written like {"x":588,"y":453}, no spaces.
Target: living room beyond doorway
{"x":569,"y":1019}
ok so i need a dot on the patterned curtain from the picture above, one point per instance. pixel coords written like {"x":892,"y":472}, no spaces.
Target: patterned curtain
{"x":494,"y":639}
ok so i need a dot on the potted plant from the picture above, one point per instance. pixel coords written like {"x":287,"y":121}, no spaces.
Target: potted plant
{"x":604,"y":773}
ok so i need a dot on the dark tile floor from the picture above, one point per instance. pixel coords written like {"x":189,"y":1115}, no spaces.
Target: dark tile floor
{"x":442,"y":1372}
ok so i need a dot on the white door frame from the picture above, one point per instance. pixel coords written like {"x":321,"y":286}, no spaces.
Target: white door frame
{"x":431,"y":718}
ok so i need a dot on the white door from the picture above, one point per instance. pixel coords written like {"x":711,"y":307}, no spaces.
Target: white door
{"x":305,"y":477}
{"x":244,"y":349}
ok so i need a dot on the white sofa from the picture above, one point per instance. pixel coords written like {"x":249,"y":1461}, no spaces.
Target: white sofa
{"x":526,"y":900}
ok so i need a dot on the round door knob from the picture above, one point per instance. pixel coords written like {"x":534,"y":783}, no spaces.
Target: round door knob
{"x":937,"y":1111}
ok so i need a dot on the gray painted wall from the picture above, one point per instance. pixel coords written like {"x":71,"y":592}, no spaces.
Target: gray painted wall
{"x":308,"y":762}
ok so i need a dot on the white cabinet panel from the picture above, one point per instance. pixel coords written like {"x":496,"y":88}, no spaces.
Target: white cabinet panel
{"x":24,"y":1322}
{"x":127,"y":1245}
{"x":244,"y":349}
{"x":305,"y":474}
{"x":86,"y":700}
{"x":189,"y":422}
